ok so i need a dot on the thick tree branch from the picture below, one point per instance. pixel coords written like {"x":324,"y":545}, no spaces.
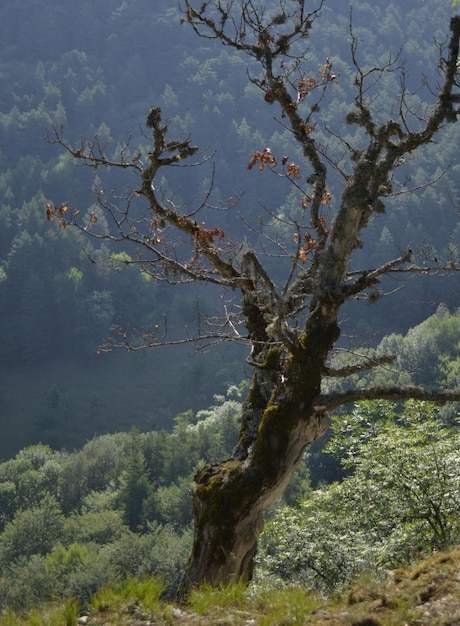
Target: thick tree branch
{"x":398,"y":392}
{"x":369,"y":363}
{"x":371,"y":173}
{"x":372,"y":277}
{"x":259,"y":274}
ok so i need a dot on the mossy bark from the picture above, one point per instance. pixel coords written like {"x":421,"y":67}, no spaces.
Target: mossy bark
{"x":279,"y":420}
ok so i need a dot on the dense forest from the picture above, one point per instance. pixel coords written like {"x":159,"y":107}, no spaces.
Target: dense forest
{"x":384,"y":491}
{"x":96,"y":69}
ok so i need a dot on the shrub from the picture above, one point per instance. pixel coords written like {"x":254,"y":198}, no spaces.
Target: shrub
{"x":400,"y":501}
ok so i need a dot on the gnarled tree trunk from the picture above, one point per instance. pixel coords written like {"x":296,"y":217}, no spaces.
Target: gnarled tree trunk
{"x":280,"y":418}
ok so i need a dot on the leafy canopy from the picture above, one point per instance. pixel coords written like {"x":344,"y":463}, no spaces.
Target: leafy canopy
{"x":400,"y":500}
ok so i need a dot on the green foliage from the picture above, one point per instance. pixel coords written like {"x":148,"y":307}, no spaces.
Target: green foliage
{"x":141,"y":594}
{"x":427,"y":592}
{"x":413,"y":458}
{"x":224,"y":596}
{"x":429,"y":350}
{"x":400,"y":499}
{"x":34,"y":530}
{"x":315,"y":545}
{"x":145,"y":590}
{"x":134,"y":490}
{"x":62,"y":561}
{"x":26,"y":584}
{"x":68,"y":518}
{"x":166,"y":504}
{"x":77,"y":571}
{"x":160,"y":551}
{"x":95,"y":571}
{"x":427,"y":355}
{"x":100,"y":527}
{"x":70,"y":612}
{"x":90,"y":471}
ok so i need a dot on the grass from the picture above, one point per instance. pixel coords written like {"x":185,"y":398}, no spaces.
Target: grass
{"x":142,"y":595}
{"x":208,"y":598}
{"x":427,"y":593}
{"x":70,"y":612}
{"x":286,"y":607}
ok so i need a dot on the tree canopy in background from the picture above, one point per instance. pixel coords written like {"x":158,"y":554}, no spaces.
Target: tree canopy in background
{"x":54,"y":317}
{"x":73,"y":522}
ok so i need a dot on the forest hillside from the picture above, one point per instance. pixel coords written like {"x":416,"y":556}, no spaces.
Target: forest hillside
{"x":99,"y":449}
{"x":101,"y":534}
{"x":96,"y":69}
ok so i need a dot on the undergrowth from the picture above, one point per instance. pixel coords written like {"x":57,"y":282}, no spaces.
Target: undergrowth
{"x":428,"y":593}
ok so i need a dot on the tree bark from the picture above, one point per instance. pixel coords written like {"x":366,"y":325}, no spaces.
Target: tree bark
{"x":230,"y":497}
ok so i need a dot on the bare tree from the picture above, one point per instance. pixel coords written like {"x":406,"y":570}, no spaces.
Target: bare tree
{"x":292,"y":328}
